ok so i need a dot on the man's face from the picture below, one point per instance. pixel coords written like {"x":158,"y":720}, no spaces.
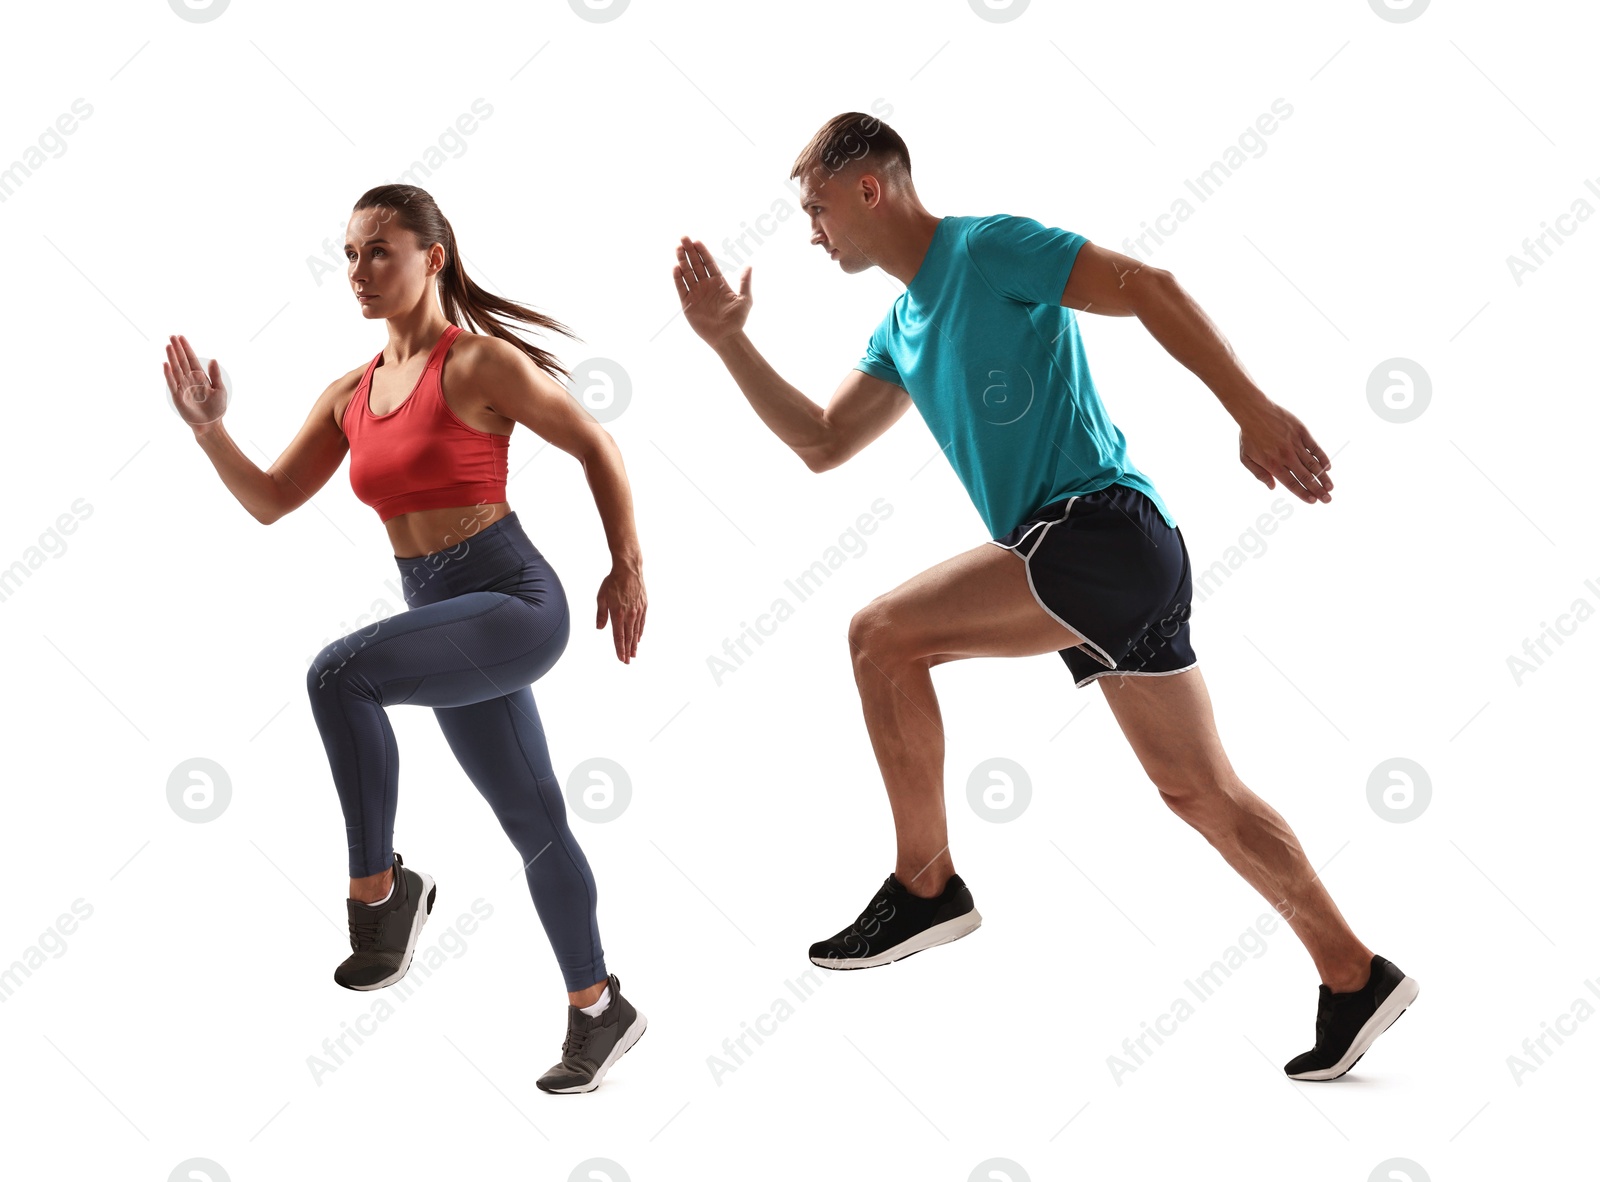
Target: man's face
{"x":834,"y":205}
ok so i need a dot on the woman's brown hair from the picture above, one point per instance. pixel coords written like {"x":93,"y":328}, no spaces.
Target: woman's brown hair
{"x":414,"y":209}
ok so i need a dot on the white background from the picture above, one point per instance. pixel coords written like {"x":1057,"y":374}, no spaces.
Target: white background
{"x":177,"y":1020}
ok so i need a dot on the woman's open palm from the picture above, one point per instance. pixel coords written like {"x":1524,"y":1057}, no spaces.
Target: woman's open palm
{"x":712,"y":308}
{"x":199,"y":394}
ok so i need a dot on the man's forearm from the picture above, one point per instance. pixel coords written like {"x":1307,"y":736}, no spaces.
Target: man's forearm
{"x":788,"y":413}
{"x":1184,"y":330}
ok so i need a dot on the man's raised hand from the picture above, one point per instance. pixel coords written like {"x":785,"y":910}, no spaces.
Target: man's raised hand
{"x":712,"y":308}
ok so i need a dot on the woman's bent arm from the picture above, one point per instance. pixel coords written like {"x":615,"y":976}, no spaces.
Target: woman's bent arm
{"x":305,"y":466}
{"x":255,"y":490}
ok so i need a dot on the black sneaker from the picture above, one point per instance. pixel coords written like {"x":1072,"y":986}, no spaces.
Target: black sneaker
{"x":384,"y":935}
{"x":594,"y":1043}
{"x":1347,"y":1023}
{"x":898,"y":924}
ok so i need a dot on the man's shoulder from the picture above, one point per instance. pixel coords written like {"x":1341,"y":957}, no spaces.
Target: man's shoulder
{"x":991,"y":221}
{"x":991,"y":234}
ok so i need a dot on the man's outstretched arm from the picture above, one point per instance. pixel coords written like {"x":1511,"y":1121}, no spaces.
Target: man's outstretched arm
{"x":1272,"y":441}
{"x":862,"y":408}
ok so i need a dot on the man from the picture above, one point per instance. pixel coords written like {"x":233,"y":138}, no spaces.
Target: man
{"x":984,"y":342}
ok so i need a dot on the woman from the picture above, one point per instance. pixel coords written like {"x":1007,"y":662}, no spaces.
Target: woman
{"x":427,"y":422}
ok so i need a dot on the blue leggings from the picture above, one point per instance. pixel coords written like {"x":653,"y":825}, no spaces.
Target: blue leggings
{"x":486,"y":618}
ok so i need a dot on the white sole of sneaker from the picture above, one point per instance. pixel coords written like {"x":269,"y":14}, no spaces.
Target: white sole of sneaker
{"x":939,"y":933}
{"x":1384,"y":1017}
{"x":624,"y":1045}
{"x":417,"y":920}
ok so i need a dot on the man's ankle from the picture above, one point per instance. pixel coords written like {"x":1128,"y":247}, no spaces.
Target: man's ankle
{"x":928,"y":883}
{"x":1353,"y":981}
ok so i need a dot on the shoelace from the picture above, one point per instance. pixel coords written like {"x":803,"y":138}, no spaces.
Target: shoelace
{"x":577,"y":1041}
{"x":364,"y":933}
{"x":1325,"y":1013}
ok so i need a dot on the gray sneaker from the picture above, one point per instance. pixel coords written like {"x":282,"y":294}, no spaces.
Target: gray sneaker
{"x":383,"y":936}
{"x":593,"y":1044}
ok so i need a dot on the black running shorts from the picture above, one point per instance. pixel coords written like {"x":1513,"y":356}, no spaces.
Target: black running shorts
{"x":1109,"y":567}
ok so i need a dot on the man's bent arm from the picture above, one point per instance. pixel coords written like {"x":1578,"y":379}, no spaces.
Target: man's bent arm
{"x":1112,"y":284}
{"x":863,"y":407}
{"x":790,"y":415}
{"x":1184,"y":330}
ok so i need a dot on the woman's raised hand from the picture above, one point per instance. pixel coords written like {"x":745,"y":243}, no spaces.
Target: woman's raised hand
{"x":199,"y":394}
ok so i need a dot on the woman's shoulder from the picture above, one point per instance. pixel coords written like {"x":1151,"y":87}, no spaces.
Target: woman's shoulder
{"x":342,"y":389}
{"x":483,"y":357}
{"x":479,"y":346}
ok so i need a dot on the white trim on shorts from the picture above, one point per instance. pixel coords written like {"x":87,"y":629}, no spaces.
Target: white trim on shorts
{"x":1135,"y":673}
{"x":1089,"y":646}
{"x":1019,"y":541}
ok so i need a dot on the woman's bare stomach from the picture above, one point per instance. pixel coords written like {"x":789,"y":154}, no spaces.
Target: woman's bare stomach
{"x":428,"y":530}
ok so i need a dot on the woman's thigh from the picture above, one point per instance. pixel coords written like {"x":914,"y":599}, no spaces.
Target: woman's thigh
{"x":469,"y":648}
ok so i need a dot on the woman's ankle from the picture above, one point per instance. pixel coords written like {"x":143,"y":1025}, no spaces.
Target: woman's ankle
{"x":374,"y":888}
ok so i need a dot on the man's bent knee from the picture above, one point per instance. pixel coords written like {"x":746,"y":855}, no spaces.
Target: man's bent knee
{"x":877,"y":634}
{"x":1187,"y":791}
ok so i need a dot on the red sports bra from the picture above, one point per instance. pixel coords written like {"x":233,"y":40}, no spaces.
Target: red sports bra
{"x":421,"y":455}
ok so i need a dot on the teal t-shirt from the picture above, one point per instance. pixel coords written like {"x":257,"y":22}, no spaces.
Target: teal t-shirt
{"x":994,"y":364}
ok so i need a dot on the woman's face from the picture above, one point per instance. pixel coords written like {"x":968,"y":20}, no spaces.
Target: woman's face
{"x":389,"y":272}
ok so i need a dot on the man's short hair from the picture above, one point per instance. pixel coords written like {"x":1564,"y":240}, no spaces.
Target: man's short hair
{"x":851,"y":141}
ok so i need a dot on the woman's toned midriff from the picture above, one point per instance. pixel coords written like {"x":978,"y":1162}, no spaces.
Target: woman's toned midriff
{"x":429,"y":530}
{"x":413,"y":535}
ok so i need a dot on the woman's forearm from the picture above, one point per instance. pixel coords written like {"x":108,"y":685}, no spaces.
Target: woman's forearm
{"x":608,"y":480}
{"x":255,"y":489}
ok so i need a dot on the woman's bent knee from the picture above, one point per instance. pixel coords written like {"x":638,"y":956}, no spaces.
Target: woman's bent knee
{"x":323,"y":674}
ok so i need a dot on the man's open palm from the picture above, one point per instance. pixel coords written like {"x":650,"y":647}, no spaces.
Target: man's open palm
{"x":712,"y":308}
